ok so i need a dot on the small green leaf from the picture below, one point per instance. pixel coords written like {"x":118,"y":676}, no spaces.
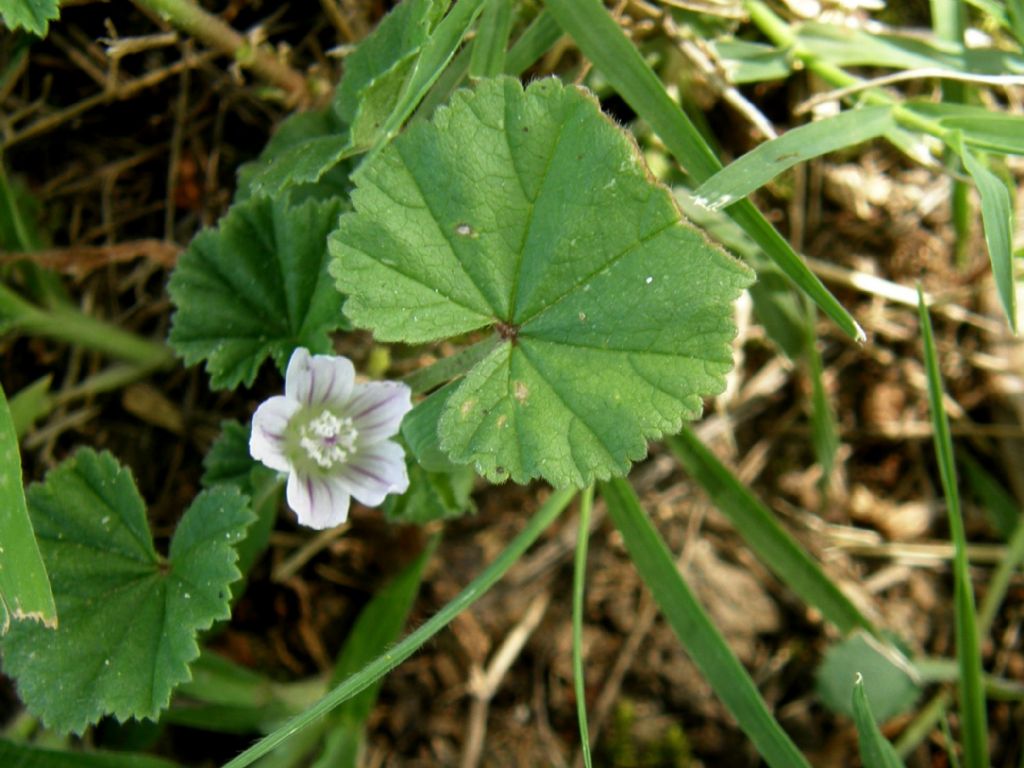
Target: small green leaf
{"x":997,"y":218}
{"x":419,"y":429}
{"x":24,"y":588}
{"x":229,"y":462}
{"x":256,"y":287}
{"x":768,"y":160}
{"x":31,"y":15}
{"x":893,"y":687}
{"x":401,"y":33}
{"x":128,"y":617}
{"x":875,"y":750}
{"x":613,"y":314}
{"x":432,"y":496}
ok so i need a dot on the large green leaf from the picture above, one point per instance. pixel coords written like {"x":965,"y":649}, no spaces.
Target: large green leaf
{"x":613,"y":314}
{"x":256,"y":287}
{"x":24,"y":587}
{"x":128,"y":617}
{"x":31,"y":15}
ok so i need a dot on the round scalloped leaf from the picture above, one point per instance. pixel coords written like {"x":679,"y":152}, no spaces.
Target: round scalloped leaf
{"x":256,"y":287}
{"x":532,"y":213}
{"x":128,"y":617}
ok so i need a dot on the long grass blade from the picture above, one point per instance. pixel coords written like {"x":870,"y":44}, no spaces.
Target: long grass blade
{"x":695,"y":630}
{"x":492,"y":33}
{"x":536,"y":40}
{"x":378,"y":626}
{"x":606,"y":45}
{"x":968,"y":647}
{"x":768,"y":160}
{"x":394,"y":656}
{"x":579,"y":578}
{"x":763,"y":534}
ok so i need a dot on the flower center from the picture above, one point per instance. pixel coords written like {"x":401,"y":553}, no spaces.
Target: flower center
{"x":328,"y":439}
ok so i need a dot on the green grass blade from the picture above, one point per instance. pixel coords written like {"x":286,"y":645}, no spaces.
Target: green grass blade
{"x":997,"y":218}
{"x":968,"y":648}
{"x":768,"y":160}
{"x":488,"y":58}
{"x":536,"y":40}
{"x":702,"y":640}
{"x":378,"y":626}
{"x":579,"y":578}
{"x":875,"y":750}
{"x":824,"y":431}
{"x":763,"y":534}
{"x":24,"y":587}
{"x":394,"y":656}
{"x":605,"y":44}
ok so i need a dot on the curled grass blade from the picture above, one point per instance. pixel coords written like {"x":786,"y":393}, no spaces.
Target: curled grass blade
{"x":968,"y":647}
{"x":605,"y":44}
{"x":394,"y":656}
{"x":699,"y":636}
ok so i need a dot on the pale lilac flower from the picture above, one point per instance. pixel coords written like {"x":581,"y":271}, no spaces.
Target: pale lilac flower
{"x":330,"y":435}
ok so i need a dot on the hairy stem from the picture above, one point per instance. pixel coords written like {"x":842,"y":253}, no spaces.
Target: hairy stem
{"x":211,"y":30}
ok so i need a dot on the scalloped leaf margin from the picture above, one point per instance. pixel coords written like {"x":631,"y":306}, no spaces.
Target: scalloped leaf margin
{"x":531,"y":213}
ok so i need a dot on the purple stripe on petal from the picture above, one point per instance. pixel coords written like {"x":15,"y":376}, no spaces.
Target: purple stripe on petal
{"x":378,"y":404}
{"x":369,"y":474}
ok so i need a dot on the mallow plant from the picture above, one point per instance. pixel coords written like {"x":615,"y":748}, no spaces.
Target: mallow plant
{"x":440,"y":199}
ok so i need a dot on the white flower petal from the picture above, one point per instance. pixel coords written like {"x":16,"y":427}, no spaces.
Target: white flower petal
{"x":319,"y":379}
{"x":374,"y":472}
{"x":377,"y":409}
{"x":266,"y":444}
{"x":318,"y":502}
